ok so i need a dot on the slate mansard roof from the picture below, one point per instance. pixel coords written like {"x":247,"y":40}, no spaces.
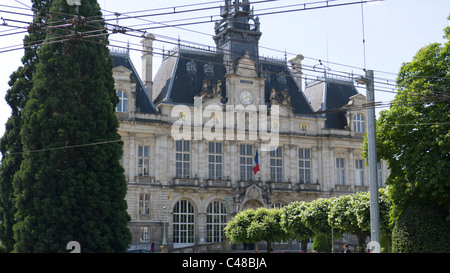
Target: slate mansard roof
{"x":279,"y":76}
{"x":143,"y":100}
{"x":174,"y":82}
{"x":331,"y":94}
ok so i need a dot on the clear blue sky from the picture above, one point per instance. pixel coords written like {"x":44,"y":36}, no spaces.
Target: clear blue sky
{"x":394,"y":31}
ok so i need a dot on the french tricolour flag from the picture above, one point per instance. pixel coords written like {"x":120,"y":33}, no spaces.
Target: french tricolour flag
{"x":256,"y":164}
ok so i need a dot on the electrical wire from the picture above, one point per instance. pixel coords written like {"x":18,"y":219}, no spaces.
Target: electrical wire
{"x":304,"y":67}
{"x":304,"y":4}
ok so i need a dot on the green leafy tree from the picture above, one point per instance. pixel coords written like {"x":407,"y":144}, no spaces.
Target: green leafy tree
{"x":293,"y":223}
{"x":361,"y":209}
{"x":413,"y":136}
{"x":252,"y":226}
{"x":236,"y":229}
{"x":69,"y":188}
{"x":266,"y":226}
{"x":21,"y":83}
{"x":343,"y":216}
{"x":315,"y":217}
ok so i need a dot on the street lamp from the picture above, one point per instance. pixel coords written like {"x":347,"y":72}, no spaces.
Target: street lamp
{"x":164,"y":242}
{"x":372,"y":154}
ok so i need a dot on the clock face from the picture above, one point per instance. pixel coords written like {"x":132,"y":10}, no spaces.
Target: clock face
{"x":246,"y":97}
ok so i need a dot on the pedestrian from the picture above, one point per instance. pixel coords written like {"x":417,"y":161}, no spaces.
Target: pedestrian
{"x":346,"y":250}
{"x":152,"y":248}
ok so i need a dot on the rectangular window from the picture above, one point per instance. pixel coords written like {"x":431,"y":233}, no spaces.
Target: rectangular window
{"x":246,"y":162}
{"x":359,"y":175}
{"x":215,"y":160}
{"x":276,"y":165}
{"x":143,"y":161}
{"x":340,"y":171}
{"x":145,"y":234}
{"x":144,"y":203}
{"x":183,"y":158}
{"x":304,"y":165}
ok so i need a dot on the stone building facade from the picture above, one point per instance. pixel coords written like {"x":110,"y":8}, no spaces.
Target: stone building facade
{"x":187,"y":186}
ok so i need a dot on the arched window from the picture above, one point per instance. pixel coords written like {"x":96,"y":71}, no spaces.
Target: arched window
{"x":359,"y":123}
{"x":277,"y":205}
{"x":183,"y":224}
{"x":216,"y":219}
{"x":122,"y":106}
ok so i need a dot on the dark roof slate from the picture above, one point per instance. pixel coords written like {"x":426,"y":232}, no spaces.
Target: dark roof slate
{"x":144,"y":102}
{"x":173,"y":83}
{"x":328,"y":94}
{"x":279,"y":77}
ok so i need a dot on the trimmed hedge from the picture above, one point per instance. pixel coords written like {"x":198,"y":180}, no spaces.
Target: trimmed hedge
{"x":320,"y":244}
{"x":421,"y":229}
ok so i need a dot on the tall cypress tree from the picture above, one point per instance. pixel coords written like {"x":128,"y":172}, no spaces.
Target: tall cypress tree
{"x":71,"y":186}
{"x":21,"y":83}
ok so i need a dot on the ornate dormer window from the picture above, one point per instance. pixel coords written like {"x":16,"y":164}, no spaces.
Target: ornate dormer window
{"x":209,"y":69}
{"x":281,"y":77}
{"x":191,"y":67}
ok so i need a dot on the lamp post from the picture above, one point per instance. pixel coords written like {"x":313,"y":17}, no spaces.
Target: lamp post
{"x":164,"y":242}
{"x":372,"y":154}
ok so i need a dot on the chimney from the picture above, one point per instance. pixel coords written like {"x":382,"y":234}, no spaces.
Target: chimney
{"x":297,"y":69}
{"x":147,"y":62}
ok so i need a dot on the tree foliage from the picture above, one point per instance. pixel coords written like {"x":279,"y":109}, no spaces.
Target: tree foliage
{"x":21,"y":83}
{"x":413,"y":136}
{"x":236,"y":229}
{"x":344,"y":214}
{"x":421,"y":229}
{"x":252,"y":226}
{"x":301,"y":220}
{"x":71,"y":194}
{"x":292,"y":221}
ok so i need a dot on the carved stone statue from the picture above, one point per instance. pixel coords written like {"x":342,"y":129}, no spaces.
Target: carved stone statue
{"x":210,"y":90}
{"x":281,"y":97}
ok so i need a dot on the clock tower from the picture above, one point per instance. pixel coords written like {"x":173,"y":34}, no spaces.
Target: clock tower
{"x":237,"y":36}
{"x":237,"y":32}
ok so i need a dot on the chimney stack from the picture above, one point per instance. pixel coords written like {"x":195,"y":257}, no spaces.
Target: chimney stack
{"x":147,"y":62}
{"x":297,"y":68}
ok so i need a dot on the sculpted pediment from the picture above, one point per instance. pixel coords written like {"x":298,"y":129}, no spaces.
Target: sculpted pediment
{"x":246,"y":67}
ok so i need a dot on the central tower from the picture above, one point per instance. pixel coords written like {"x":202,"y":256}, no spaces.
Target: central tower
{"x":237,"y":32}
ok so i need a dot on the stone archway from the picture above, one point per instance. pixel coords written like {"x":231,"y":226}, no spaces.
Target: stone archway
{"x":252,"y":204}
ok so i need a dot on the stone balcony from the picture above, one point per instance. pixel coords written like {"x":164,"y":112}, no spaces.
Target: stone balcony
{"x":279,"y":186}
{"x":309,"y":186}
{"x":144,"y":180}
{"x":218,"y":183}
{"x":185,"y":182}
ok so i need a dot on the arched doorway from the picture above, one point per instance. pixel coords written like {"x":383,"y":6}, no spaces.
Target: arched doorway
{"x":252,"y":204}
